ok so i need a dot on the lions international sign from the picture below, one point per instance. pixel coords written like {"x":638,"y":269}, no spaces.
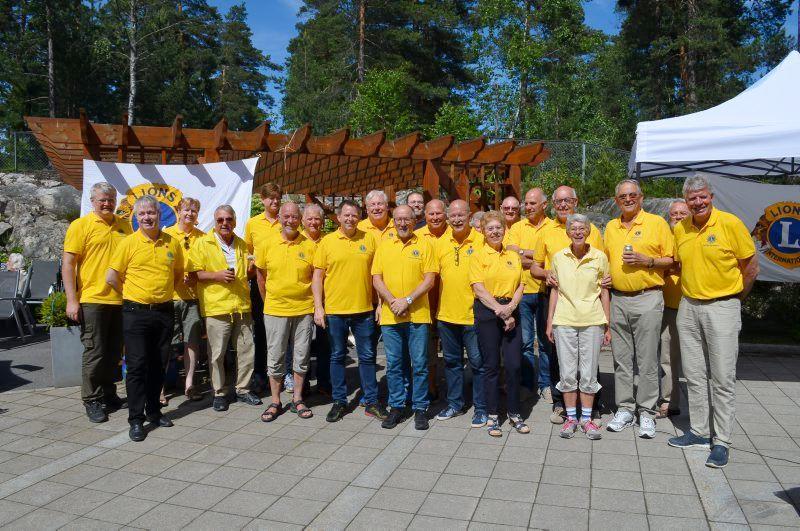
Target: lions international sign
{"x":213,"y":184}
{"x":772,"y":213}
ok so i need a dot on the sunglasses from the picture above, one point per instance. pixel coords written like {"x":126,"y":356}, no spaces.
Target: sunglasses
{"x":186,"y":242}
{"x":224,"y":220}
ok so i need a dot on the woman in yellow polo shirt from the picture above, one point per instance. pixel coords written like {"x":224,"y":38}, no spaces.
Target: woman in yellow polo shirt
{"x":577,"y":323}
{"x":495,"y":275}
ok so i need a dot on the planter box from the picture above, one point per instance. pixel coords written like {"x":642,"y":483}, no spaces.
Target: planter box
{"x":66,"y":351}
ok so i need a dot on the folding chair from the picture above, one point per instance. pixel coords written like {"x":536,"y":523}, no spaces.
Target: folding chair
{"x":39,"y":284}
{"x":11,"y":305}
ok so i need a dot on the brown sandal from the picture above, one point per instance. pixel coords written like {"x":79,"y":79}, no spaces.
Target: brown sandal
{"x":271,"y":413}
{"x":304,"y":412}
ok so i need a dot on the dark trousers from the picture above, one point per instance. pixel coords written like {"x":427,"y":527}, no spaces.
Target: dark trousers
{"x":493,"y":342}
{"x":101,"y":335}
{"x":259,"y":332}
{"x":321,"y":350}
{"x":147,"y":333}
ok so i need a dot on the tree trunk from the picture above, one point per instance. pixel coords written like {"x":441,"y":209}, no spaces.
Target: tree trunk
{"x":362,"y":15}
{"x":133,"y":57}
{"x":688,"y":59}
{"x":523,"y":101}
{"x":51,"y":69}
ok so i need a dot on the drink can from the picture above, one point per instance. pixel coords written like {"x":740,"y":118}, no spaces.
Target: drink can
{"x":628,"y":248}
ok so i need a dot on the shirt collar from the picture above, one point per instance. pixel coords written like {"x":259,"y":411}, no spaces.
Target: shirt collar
{"x":543,"y":224}
{"x":471,"y":237}
{"x":638,"y":219}
{"x":143,"y":237}
{"x":297,"y":241}
{"x":411,"y":240}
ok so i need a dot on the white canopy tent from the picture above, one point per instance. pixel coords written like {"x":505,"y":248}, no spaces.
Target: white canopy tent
{"x":756,"y":133}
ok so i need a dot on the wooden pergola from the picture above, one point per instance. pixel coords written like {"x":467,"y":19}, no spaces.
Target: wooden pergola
{"x":317,"y":166}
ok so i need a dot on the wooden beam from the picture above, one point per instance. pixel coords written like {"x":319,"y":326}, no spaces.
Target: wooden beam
{"x":400,"y":147}
{"x":328,"y":145}
{"x":541,"y":157}
{"x":465,"y":151}
{"x":91,"y":147}
{"x":524,"y":154}
{"x":431,"y":179}
{"x":515,"y":180}
{"x":177,"y":131}
{"x":220,"y":134}
{"x":494,"y":153}
{"x":261,"y":134}
{"x":433,"y":149}
{"x":366,"y":146}
{"x":123,"y":140}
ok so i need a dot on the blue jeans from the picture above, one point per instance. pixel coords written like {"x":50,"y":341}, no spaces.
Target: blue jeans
{"x":533,"y":314}
{"x":455,"y":339}
{"x":406,"y":347}
{"x":363,"y":327}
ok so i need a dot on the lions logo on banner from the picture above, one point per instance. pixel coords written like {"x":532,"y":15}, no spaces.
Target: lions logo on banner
{"x":168,"y":200}
{"x":777,"y":234}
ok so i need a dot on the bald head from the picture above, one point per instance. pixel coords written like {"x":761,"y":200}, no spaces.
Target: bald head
{"x":435,"y":217}
{"x":564,"y":202}
{"x":458,"y":217}
{"x":289,"y":216}
{"x":535,"y":205}
{"x":510,"y":208}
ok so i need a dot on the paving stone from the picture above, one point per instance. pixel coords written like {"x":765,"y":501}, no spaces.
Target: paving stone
{"x":245,"y":503}
{"x":368,"y":519}
{"x":671,"y":523}
{"x":566,"y":496}
{"x":623,"y":501}
{"x":434,"y":463}
{"x":213,"y":521}
{"x":253,"y":460}
{"x":503,"y":512}
{"x":200,"y":496}
{"x":558,"y":475}
{"x":355,"y":454}
{"x":318,"y":489}
{"x":299,"y":466}
{"x":294,"y":510}
{"x":267,"y":482}
{"x":121,"y":510}
{"x":478,"y":450}
{"x":315,"y":449}
{"x":510,"y":470}
{"x":270,"y":525}
{"x":616,"y":479}
{"x":23,"y":463}
{"x":181,"y":450}
{"x":624,"y":463}
{"x":449,"y":506}
{"x":117,"y":481}
{"x":524,"y":454}
{"x":343,"y":509}
{"x":10,"y":510}
{"x":437,"y":447}
{"x":404,"y":500}
{"x":337,"y":470}
{"x":673,"y":505}
{"x":446,"y":433}
{"x":552,"y":517}
{"x":41,"y":493}
{"x":151,"y":465}
{"x":216,"y":455}
{"x":412,"y":479}
{"x":460,"y":485}
{"x":426,"y":523}
{"x":80,"y":501}
{"x":114,"y":458}
{"x":40,"y":519}
{"x":669,"y":484}
{"x":157,"y":489}
{"x":228,"y":476}
{"x":89,"y":524}
{"x":506,"y":489}
{"x":750,"y":471}
{"x":772,"y":513}
{"x":80,"y":475}
{"x":166,"y":516}
{"x":614,"y":521}
{"x":188,"y":471}
{"x":470,"y":467}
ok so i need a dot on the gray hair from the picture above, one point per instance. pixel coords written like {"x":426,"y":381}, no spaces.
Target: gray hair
{"x":475,"y":220}
{"x":103,"y":188}
{"x":574,"y":193}
{"x":679,"y":200}
{"x":695,"y":183}
{"x":16,"y":261}
{"x":628,"y":181}
{"x":377,"y":193}
{"x":579,"y":218}
{"x":408,"y":197}
{"x":227,"y":208}
{"x":146,"y":200}
{"x":314,"y":206}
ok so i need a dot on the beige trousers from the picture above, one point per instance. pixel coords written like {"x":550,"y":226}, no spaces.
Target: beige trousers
{"x":709,"y":336}
{"x":670,"y":360}
{"x":220,"y":330}
{"x":279,"y":330}
{"x":635,"y":334}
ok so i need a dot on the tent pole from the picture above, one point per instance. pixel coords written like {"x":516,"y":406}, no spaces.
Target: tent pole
{"x":638,"y":171}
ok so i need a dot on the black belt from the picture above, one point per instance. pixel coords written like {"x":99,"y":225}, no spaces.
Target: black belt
{"x":161,"y":306}
{"x":720,"y":299}
{"x":634,"y":293}
{"x":503,"y":300}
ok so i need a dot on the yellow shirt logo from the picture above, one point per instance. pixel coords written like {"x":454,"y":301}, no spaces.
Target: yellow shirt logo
{"x":168,"y":198}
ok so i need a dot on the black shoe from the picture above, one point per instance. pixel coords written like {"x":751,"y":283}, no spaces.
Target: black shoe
{"x":376,"y":410}
{"x":137,"y":433}
{"x":220,"y":403}
{"x":94,"y":410}
{"x":249,"y":398}
{"x":162,"y":422}
{"x":113,"y":403}
{"x":396,"y":416}
{"x":420,"y":420}
{"x":337,"y":412}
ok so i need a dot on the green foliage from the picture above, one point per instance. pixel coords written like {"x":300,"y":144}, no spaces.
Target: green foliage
{"x":384,"y":102}
{"x":770,"y":313}
{"x":256,"y":206}
{"x":53,"y":310}
{"x":453,"y":119}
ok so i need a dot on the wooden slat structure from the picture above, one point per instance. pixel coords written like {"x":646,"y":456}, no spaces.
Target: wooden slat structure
{"x":332,"y":165}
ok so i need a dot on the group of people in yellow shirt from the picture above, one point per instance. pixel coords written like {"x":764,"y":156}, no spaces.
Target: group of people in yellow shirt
{"x":494,"y":294}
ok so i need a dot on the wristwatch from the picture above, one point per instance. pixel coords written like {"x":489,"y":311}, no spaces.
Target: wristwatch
{"x":409,"y":300}
{"x":521,"y":252}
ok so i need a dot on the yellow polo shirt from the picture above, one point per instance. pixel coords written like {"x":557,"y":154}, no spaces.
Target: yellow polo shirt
{"x":388,"y":232}
{"x":672,"y":290}
{"x":403,"y":266}
{"x":220,"y":298}
{"x":650,"y":235}
{"x":709,"y":256}
{"x":524,"y":235}
{"x":346,"y":262}
{"x":186,"y":240}
{"x":579,"y":287}
{"x":555,"y":238}
{"x":289,"y":266}
{"x":425,"y":233}
{"x":499,"y":271}
{"x":257,"y":229}
{"x":507,"y":233}
{"x":149,"y":267}
{"x":455,"y":292}
{"x":93,"y":242}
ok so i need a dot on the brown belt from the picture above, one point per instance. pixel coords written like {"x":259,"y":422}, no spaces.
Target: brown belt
{"x":634,"y":293}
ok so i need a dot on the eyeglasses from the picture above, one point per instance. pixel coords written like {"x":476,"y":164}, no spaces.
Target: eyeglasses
{"x":98,"y":200}
{"x":456,"y":257}
{"x":565,"y":201}
{"x":186,"y":242}
{"x":632,"y":195}
{"x":224,"y":220}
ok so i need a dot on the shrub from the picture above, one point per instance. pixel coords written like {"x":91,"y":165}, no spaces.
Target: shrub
{"x":53,"y":311}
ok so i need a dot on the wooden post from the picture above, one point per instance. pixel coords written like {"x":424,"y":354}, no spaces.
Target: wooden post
{"x":89,"y":141}
{"x":432,"y":177}
{"x":515,"y":180}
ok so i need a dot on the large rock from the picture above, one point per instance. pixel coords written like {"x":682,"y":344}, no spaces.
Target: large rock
{"x":35,"y":213}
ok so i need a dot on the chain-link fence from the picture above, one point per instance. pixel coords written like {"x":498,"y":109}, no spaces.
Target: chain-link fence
{"x":20,"y":152}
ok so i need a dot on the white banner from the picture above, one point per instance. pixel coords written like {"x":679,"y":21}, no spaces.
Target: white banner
{"x":772,"y":214}
{"x":219,"y":183}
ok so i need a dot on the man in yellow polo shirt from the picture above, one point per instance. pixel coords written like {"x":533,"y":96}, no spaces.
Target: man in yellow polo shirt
{"x":454,"y":320}
{"x":639,"y":246}
{"x":402,"y":273}
{"x":510,"y":208}
{"x":718,"y":268}
{"x":257,"y":230}
{"x":550,"y":241}
{"x":342,"y":288}
{"x":145,"y":268}
{"x":220,"y":261}
{"x":522,"y":239}
{"x":378,"y":223}
{"x":88,"y":246}
{"x":285,"y":269}
{"x":313,"y":222}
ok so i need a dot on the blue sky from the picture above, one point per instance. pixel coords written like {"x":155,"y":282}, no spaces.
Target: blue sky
{"x":273,"y":24}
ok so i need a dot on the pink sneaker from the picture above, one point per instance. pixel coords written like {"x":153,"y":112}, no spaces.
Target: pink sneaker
{"x":591,"y":430}
{"x":568,"y":429}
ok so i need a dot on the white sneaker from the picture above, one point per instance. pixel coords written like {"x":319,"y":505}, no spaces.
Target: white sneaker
{"x":647,"y":427}
{"x":622,"y":419}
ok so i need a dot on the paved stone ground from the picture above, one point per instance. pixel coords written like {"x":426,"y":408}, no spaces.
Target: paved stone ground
{"x":230,"y":471}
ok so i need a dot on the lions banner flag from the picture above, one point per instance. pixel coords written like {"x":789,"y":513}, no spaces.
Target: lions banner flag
{"x":772,"y":213}
{"x":214,"y":184}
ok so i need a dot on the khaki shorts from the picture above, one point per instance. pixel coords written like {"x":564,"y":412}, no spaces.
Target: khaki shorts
{"x":188,"y":325}
{"x":279,"y":331}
